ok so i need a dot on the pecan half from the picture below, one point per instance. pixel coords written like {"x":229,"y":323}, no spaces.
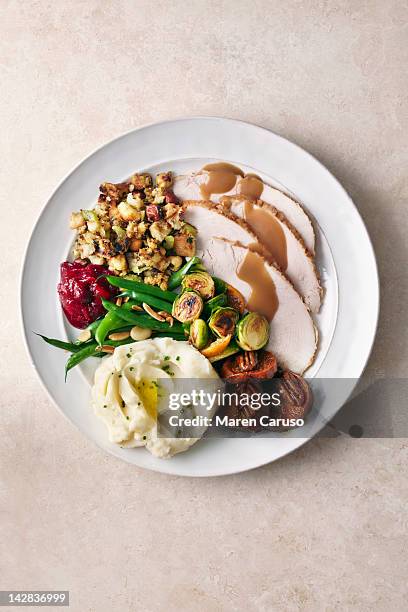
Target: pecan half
{"x":249,"y":364}
{"x":296,"y":397}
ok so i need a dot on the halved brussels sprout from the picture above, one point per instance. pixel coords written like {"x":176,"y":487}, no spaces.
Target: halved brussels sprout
{"x":201,"y":282}
{"x":199,"y":334}
{"x":252,"y":331}
{"x":235,"y":299}
{"x":222,"y":321}
{"x":187,"y":307}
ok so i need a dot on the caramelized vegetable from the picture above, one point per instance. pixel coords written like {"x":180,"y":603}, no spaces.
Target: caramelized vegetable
{"x":252,"y":331}
{"x":222,"y":321}
{"x":187,"y":307}
{"x":199,"y":334}
{"x":231,"y":349}
{"x":235,"y":299}
{"x":217,"y":347}
{"x":201,"y":282}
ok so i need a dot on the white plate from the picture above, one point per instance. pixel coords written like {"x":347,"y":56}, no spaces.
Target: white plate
{"x":348,"y":320}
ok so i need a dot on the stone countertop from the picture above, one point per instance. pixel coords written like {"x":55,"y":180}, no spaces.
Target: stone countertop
{"x":322,"y":529}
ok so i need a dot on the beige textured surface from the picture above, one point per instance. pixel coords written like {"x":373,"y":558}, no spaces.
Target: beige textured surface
{"x":323,"y":529}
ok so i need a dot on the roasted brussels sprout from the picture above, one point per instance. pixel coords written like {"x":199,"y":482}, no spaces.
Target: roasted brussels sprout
{"x":222,"y":321}
{"x":199,"y":334}
{"x":201,"y":282}
{"x":187,"y":307}
{"x":252,"y":331}
{"x":235,"y":299}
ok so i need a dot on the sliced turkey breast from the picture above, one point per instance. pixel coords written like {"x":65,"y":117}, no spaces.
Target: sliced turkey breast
{"x":284,"y":244}
{"x":194,"y":187}
{"x":210,"y":220}
{"x":293,"y":336}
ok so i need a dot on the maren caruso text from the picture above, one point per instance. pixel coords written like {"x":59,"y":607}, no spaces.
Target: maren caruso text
{"x":225,"y":421}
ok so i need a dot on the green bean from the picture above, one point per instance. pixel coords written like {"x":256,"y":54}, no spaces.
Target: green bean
{"x":66,"y":346}
{"x":200,"y":267}
{"x":169,"y":334}
{"x":91,"y":350}
{"x":124,"y":283}
{"x":94,"y":325}
{"x":122,"y":328}
{"x":176,"y":278}
{"x":150,"y":300}
{"x":216,"y":302}
{"x":76,"y":358}
{"x":108,"y":323}
{"x":140,"y":319}
{"x":116,"y":343}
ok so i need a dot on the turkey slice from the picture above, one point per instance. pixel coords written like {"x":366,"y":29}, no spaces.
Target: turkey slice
{"x":210,"y":220}
{"x":188,"y":187}
{"x":222,"y":244}
{"x":283,"y":243}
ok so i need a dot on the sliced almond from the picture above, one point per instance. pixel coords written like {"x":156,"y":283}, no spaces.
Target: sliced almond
{"x":137,"y":307}
{"x":119,"y":335}
{"x":152,"y":313}
{"x":105,"y":348}
{"x":119,"y":301}
{"x":167,"y":317}
{"x":84,"y":336}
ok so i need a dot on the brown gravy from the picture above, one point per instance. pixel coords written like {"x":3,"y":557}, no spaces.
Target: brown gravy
{"x":221,"y":178}
{"x":269,"y":231}
{"x":251,"y":186}
{"x":263,"y":298}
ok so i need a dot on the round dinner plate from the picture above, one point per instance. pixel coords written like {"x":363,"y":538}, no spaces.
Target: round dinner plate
{"x":347,"y":322}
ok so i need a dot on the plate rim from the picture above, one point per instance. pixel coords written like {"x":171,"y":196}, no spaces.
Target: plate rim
{"x":295,"y":442}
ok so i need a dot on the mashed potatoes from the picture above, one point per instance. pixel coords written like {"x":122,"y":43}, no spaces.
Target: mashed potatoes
{"x":126,"y":392}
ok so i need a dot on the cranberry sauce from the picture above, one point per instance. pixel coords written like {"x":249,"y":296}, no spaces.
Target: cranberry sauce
{"x":80,"y":292}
